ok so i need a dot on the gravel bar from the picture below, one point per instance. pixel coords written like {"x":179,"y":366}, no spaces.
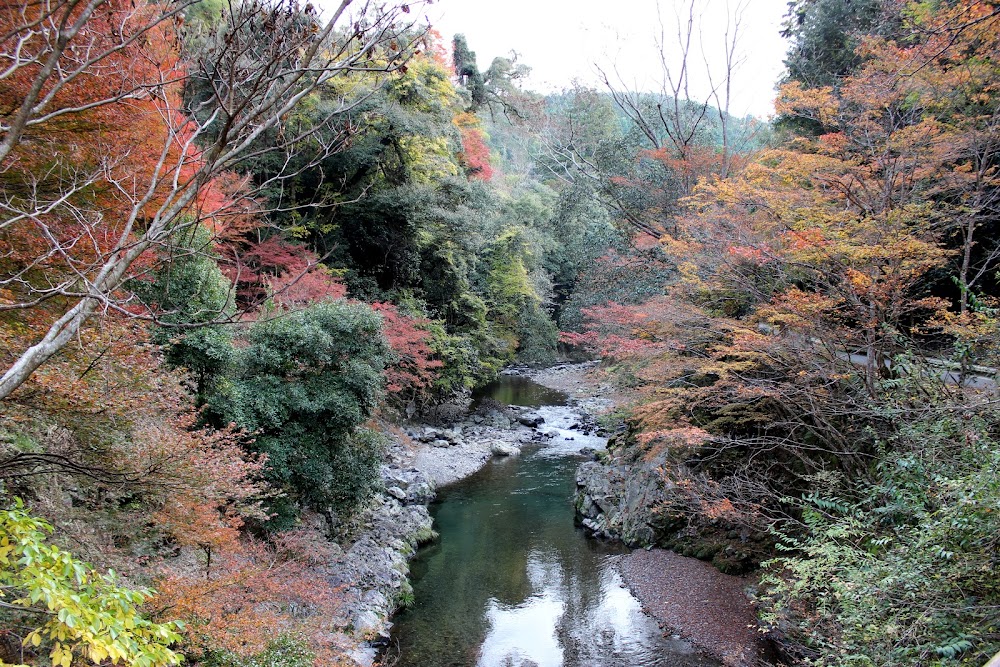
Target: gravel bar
{"x":693,"y":599}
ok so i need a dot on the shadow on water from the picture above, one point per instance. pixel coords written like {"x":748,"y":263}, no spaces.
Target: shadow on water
{"x":518,"y":390}
{"x":511,"y":581}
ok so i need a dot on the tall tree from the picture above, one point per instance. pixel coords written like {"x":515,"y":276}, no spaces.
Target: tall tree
{"x":494,"y":90}
{"x":825,"y":36}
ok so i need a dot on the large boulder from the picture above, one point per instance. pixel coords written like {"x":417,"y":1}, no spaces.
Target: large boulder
{"x":531,"y":420}
{"x":615,"y":500}
{"x":504,"y":449}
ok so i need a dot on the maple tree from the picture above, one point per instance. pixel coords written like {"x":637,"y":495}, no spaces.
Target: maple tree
{"x":475,"y":153}
{"x":249,"y":592}
{"x":416,"y":366}
{"x":286,"y":271}
{"x":861,"y":261}
{"x":155,"y":190}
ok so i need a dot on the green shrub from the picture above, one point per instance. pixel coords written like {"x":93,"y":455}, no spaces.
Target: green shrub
{"x":188,"y":288}
{"x":905,"y":574}
{"x":304,"y":383}
{"x":286,"y":651}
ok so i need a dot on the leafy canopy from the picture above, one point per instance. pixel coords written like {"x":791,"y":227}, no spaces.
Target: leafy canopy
{"x":305,"y":382}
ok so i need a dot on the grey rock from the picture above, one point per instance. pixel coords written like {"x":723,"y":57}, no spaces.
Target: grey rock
{"x":421,"y":493}
{"x":618,"y":496}
{"x":396,"y":492}
{"x":504,"y":449}
{"x":366,"y":622}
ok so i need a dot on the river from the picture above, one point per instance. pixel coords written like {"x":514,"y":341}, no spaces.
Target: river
{"x":512,"y":582}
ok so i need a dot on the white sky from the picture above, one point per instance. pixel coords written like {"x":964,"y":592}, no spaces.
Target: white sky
{"x":565,"y":39}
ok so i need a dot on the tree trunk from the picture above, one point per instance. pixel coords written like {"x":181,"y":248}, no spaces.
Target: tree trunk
{"x":60,"y":333}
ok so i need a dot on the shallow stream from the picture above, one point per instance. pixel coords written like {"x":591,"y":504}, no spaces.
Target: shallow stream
{"x":512,"y":582}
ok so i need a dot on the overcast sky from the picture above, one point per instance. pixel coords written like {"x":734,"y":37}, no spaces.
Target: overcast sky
{"x":566,"y":39}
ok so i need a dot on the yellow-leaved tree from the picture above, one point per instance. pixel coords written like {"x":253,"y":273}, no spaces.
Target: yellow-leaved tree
{"x":74,"y":611}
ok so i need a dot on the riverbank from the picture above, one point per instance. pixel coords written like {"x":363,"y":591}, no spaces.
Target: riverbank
{"x":687,"y":597}
{"x":691,"y":598}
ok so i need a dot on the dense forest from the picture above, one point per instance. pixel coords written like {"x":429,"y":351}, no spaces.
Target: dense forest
{"x":241,"y":242}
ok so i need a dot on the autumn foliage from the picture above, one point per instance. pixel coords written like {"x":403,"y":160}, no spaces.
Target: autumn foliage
{"x":475,"y":155}
{"x":76,"y":177}
{"x":240,"y":594}
{"x":830,"y":312}
{"x":416,"y":365}
{"x":289,"y":272}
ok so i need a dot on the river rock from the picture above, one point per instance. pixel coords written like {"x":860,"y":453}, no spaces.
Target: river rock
{"x":422,"y":493}
{"x":497,"y":420}
{"x":504,"y":449}
{"x":616,"y":501}
{"x":440,"y":443}
{"x":531,"y":421}
{"x":409,"y":486}
{"x":372,"y":572}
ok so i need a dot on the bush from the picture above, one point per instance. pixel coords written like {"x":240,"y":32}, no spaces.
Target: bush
{"x":286,"y":651}
{"x":188,"y":288}
{"x":304,"y":382}
{"x":905,"y":574}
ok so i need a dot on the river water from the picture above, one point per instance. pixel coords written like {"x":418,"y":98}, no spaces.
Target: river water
{"x":511,"y":581}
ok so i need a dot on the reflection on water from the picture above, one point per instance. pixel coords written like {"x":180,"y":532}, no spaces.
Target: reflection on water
{"x":511,"y":581}
{"x":536,"y":618}
{"x":518,"y":390}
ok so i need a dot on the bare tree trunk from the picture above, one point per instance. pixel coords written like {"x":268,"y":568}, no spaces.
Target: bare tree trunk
{"x":672,"y":124}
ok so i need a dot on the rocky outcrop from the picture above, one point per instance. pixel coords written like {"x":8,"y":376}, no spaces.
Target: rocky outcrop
{"x":615,"y":499}
{"x":624,"y":495}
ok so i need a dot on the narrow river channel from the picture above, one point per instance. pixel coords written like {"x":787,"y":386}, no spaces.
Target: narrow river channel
{"x":512,"y":582}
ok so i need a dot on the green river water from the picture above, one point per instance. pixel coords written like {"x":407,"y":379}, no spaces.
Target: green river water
{"x":511,"y":580}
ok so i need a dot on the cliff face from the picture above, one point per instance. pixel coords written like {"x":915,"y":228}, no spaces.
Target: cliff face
{"x":625,"y":495}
